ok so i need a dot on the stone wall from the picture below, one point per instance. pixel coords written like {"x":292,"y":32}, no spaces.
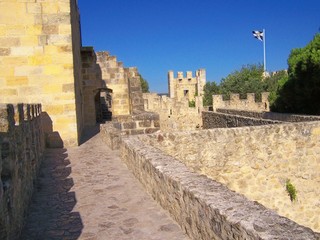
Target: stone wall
{"x":135,"y":91}
{"x":123,"y":126}
{"x":241,"y":104}
{"x":92,"y":85}
{"x":256,"y":161}
{"x":187,"y":86}
{"x":284,"y":117}
{"x":204,"y":208}
{"x":175,"y":115}
{"x":40,"y":60}
{"x":77,"y":85}
{"x":21,"y":148}
{"x":222,"y":120}
{"x":115,"y":78}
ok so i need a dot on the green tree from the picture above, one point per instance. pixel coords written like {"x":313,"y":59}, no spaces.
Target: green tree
{"x":273,"y":83}
{"x":248,"y":80}
{"x":210,"y":88}
{"x":144,"y":85}
{"x":300,"y":94}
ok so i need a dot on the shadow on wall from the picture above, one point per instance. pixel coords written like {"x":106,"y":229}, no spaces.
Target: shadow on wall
{"x":89,"y":132}
{"x":52,"y":138}
{"x":50,"y":214}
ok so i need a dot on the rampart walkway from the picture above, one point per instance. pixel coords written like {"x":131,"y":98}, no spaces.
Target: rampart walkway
{"x":87,"y":193}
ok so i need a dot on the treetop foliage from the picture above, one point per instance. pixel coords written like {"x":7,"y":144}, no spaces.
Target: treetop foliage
{"x":300,"y":93}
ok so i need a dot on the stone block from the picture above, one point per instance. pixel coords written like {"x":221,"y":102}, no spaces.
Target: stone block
{"x":33,"y":7}
{"x":29,"y":40}
{"x":9,"y":92}
{"x":52,"y":88}
{"x":16,"y":61}
{"x":9,"y":42}
{"x":129,"y":125}
{"x":54,"y":109}
{"x":145,"y":123}
{"x":68,"y":87}
{"x":59,"y":39}
{"x":69,"y":107}
{"x":156,"y":124}
{"x":27,"y":70}
{"x":136,"y":131}
{"x":33,"y":30}
{"x":62,"y":58}
{"x":40,"y":60}
{"x":50,"y":29}
{"x":7,"y":71}
{"x":53,"y":19}
{"x":53,"y":69}
{"x":4,"y":51}
{"x":22,"y":51}
{"x":64,"y":29}
{"x":65,"y":49}
{"x":17,"y":81}
{"x":151,"y":130}
{"x":16,"y":30}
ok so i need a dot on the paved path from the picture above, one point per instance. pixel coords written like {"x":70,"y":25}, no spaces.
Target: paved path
{"x":87,"y":193}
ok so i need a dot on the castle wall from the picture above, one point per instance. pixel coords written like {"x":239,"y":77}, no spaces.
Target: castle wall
{"x":40,"y":60}
{"x":123,"y":126}
{"x":222,"y":120}
{"x":241,"y":104}
{"x":204,"y":208}
{"x":21,"y":152}
{"x":174,"y":115}
{"x":91,"y":85}
{"x":135,"y":91}
{"x":256,"y":161}
{"x":115,"y":77}
{"x":186,"y":86}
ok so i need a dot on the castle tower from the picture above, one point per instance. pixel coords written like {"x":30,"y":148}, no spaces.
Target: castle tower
{"x":40,"y":60}
{"x":201,"y":81}
{"x":171,"y":84}
{"x":186,"y":87}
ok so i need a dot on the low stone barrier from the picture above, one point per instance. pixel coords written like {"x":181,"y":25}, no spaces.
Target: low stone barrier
{"x":121,"y":126}
{"x":21,"y":148}
{"x":223,"y":120}
{"x":204,"y":208}
{"x":284,"y":117}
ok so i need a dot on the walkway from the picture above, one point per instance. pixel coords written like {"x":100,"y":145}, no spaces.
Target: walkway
{"x":87,"y":193}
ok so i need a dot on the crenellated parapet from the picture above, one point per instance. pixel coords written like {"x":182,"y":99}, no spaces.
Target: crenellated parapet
{"x":237,"y":103}
{"x":186,"y":86}
{"x":21,"y":152}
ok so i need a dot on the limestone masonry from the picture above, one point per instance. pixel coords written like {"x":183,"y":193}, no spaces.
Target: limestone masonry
{"x":42,"y":60}
{"x":21,"y":151}
{"x":176,"y":113}
{"x":212,"y":170}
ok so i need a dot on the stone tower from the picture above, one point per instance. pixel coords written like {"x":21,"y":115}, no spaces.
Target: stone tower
{"x":40,"y":47}
{"x":186,"y":87}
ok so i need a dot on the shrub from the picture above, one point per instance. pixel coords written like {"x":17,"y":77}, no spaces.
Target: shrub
{"x":291,"y":190}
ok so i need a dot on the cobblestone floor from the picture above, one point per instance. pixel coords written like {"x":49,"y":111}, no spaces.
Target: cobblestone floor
{"x":86,"y":192}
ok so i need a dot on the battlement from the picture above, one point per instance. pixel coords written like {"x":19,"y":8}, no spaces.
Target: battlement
{"x":14,"y":115}
{"x":21,"y":152}
{"x":189,"y":75}
{"x":236,"y":102}
{"x":186,"y":86}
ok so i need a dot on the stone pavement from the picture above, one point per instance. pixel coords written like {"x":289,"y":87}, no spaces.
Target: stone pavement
{"x":87,"y":193}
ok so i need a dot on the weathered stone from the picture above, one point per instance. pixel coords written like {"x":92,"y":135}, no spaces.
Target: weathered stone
{"x":21,"y":152}
{"x":205,"y":208}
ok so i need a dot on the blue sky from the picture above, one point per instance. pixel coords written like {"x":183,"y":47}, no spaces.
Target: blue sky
{"x":184,"y":35}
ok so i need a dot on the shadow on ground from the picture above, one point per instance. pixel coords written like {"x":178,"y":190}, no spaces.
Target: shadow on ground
{"x":50,"y":214}
{"x":89,"y":133}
